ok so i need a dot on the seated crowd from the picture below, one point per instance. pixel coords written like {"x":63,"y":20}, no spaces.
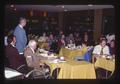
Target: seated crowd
{"x":32,"y":62}
{"x":62,"y":40}
{"x":55,"y":44}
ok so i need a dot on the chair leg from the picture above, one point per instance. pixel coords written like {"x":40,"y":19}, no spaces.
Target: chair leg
{"x":106,"y":74}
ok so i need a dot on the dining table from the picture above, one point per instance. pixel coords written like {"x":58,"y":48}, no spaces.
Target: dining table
{"x":70,"y":69}
{"x":72,"y":53}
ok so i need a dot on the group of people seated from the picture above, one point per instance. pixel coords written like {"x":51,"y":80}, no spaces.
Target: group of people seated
{"x":104,"y":49}
{"x":72,"y":40}
{"x":62,"y":40}
{"x":55,"y":43}
{"x":15,"y":60}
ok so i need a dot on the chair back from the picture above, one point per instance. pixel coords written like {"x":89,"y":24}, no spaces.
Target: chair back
{"x":39,"y":73}
{"x":55,"y":73}
{"x":88,"y":55}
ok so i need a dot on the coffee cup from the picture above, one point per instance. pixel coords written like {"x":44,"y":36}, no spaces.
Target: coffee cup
{"x":62,"y":58}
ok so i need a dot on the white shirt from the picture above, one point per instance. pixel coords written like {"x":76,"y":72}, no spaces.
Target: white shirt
{"x":5,"y":41}
{"x":20,"y":26}
{"x":32,"y":50}
{"x":110,"y":38}
{"x":71,"y":45}
{"x":97,"y":50}
{"x":12,"y":44}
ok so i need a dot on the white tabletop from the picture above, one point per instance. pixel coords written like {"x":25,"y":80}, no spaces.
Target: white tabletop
{"x":10,"y":73}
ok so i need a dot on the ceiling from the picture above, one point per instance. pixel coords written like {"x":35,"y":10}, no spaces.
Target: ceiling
{"x":59,"y":8}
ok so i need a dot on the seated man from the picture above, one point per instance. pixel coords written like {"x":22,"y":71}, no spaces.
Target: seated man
{"x":29,"y":53}
{"x":12,"y":53}
{"x":33,"y":61}
{"x":101,"y":49}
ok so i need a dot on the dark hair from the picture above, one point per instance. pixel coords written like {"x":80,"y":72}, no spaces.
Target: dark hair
{"x":112,"y":40}
{"x":83,"y":42}
{"x":22,"y":18}
{"x":103,"y":40}
{"x":10,"y":38}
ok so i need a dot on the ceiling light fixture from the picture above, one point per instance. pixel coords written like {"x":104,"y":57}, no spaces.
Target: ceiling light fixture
{"x":12,"y":6}
{"x":57,"y":6}
{"x":65,"y":10}
{"x":15,"y":9}
{"x":63,"y":7}
{"x":90,"y":5}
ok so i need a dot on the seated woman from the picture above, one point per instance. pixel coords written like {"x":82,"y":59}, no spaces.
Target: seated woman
{"x":112,"y":47}
{"x":11,"y":53}
{"x":101,"y":49}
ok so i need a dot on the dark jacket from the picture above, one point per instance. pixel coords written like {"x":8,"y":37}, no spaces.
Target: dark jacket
{"x":13,"y":56}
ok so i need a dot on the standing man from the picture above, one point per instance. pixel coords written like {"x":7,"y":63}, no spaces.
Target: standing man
{"x":21,"y":39}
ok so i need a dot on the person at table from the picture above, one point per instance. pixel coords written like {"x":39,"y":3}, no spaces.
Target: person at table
{"x":100,"y":38}
{"x":62,"y":41}
{"x":77,"y":39}
{"x":50,"y":39}
{"x":11,"y":53}
{"x":29,"y":54}
{"x":43,"y":38}
{"x":87,"y":40}
{"x":71,"y":44}
{"x":60,"y":34}
{"x":110,"y":37}
{"x":52,"y":42}
{"x":70,"y":37}
{"x":84,"y":47}
{"x":112,"y":47}
{"x":34,"y":61}
{"x":101,"y":49}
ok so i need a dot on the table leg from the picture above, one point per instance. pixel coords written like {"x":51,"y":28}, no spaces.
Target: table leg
{"x":106,"y":74}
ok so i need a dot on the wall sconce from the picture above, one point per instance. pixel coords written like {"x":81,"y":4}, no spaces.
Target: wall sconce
{"x":44,"y":14}
{"x":31,"y":13}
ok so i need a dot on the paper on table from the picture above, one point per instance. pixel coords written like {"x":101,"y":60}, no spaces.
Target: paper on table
{"x":11,"y":74}
{"x":62,"y":61}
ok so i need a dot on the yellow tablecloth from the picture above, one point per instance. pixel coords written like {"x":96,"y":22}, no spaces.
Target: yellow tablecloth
{"x":70,"y":54}
{"x":43,"y":45}
{"x":105,"y":64}
{"x":74,"y":70}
